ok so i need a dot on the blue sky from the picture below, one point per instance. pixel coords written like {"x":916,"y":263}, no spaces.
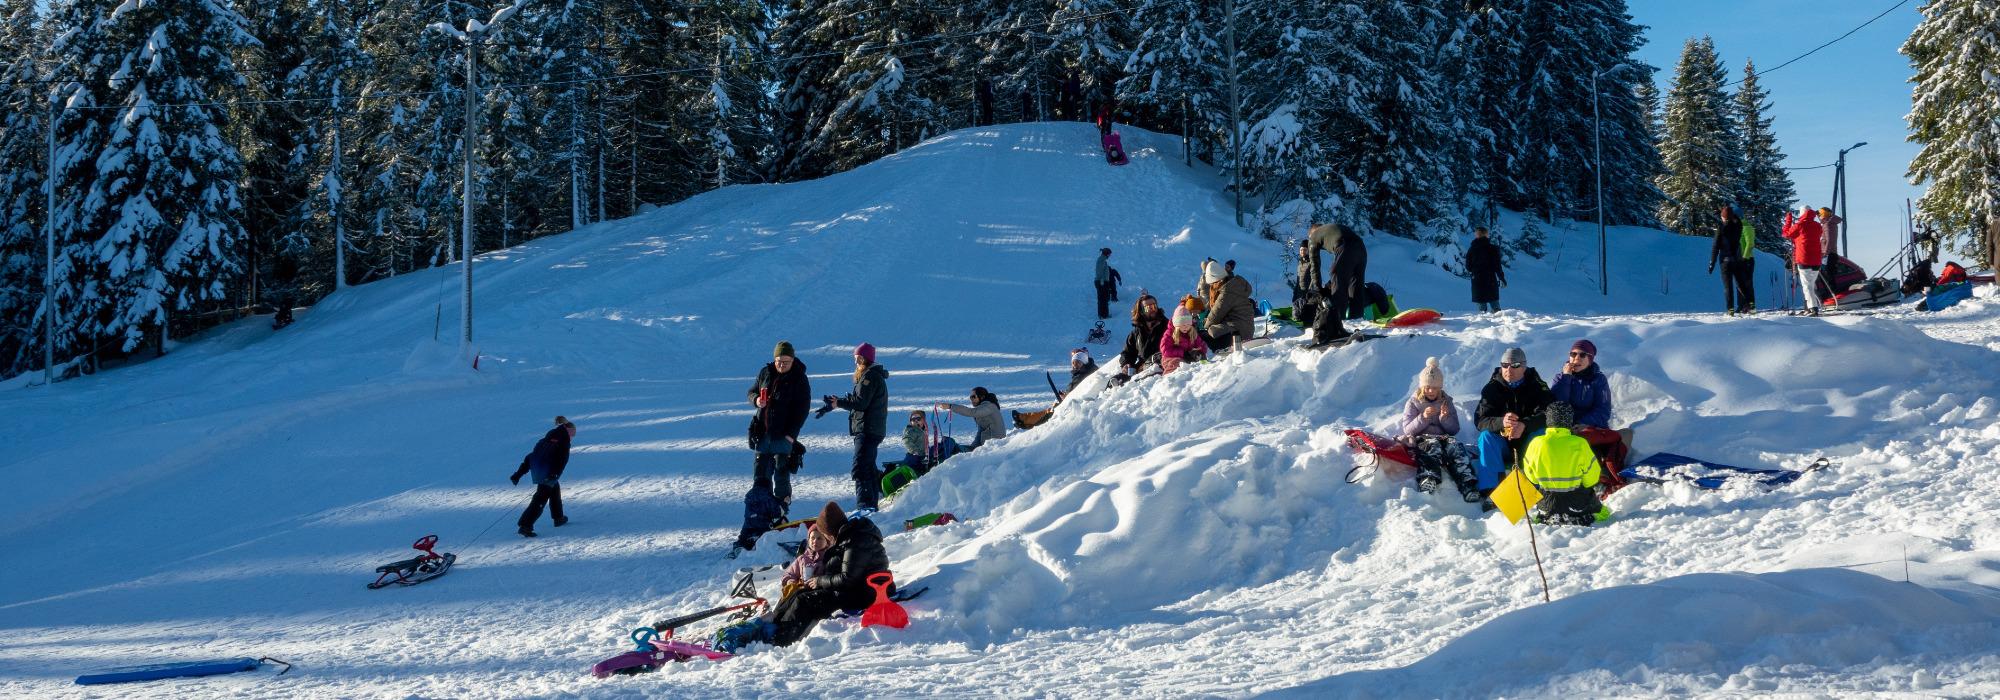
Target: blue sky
{"x":1852,"y":91}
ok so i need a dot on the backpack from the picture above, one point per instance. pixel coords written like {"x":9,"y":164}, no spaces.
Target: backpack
{"x":1380,"y":304}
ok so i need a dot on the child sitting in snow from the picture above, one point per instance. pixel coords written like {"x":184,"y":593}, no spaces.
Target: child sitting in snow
{"x":1562,"y":466}
{"x":1181,"y":343}
{"x":1430,"y":428}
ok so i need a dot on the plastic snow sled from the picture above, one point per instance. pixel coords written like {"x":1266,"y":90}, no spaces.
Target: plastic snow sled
{"x":1114,"y":149}
{"x":1867,"y":294}
{"x":1515,"y":496}
{"x":1382,"y":453}
{"x":1668,"y":467}
{"x":1944,"y":296}
{"x":1412,"y":317}
{"x":415,"y":570}
{"x":654,"y":653}
{"x":179,"y":669}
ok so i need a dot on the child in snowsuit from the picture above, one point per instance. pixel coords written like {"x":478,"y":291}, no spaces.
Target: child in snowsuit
{"x":550,"y":455}
{"x":1562,"y":466}
{"x":1430,"y":428}
{"x":1181,"y":344}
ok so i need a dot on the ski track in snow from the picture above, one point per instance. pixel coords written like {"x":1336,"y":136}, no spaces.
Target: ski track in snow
{"x":1188,"y":535}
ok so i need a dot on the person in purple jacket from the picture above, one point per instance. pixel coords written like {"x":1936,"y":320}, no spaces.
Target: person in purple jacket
{"x":1430,"y":428}
{"x":1584,"y":387}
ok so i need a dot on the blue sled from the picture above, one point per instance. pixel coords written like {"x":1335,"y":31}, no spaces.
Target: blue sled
{"x":1666,"y":466}
{"x":181,"y":669}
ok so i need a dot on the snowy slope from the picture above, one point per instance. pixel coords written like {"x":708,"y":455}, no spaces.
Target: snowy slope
{"x":1186,"y":535}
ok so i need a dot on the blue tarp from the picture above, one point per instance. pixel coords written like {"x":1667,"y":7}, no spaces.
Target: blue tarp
{"x":1666,"y":466}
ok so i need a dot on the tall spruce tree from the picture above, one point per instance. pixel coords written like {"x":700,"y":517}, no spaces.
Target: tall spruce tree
{"x":1955,"y":120}
{"x":1700,"y":147}
{"x":1766,"y":189}
{"x":24,"y":125}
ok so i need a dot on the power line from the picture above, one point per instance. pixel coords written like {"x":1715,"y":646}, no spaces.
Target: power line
{"x":1814,"y":167}
{"x":1816,"y":49}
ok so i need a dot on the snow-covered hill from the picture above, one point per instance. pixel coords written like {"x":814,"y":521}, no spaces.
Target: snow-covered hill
{"x":1189,"y":535}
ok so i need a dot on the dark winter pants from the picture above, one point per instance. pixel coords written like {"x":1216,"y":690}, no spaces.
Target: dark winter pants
{"x":550,"y":494}
{"x":1328,"y":327}
{"x":1489,"y":307}
{"x":796,"y":616}
{"x":867,"y":475}
{"x":1572,"y":507}
{"x":1103,"y":300}
{"x":1440,"y":457}
{"x":1738,"y":291}
{"x":772,"y":475}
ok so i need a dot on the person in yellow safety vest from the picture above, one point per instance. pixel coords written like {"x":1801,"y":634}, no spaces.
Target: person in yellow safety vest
{"x":1563,"y":467}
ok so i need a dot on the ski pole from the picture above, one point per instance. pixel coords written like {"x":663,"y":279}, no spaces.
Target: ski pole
{"x":1522,"y":491}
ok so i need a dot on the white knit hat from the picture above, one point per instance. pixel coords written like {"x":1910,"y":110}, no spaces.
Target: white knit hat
{"x":1212,"y":272}
{"x":1431,"y":376}
{"x":1079,"y":355}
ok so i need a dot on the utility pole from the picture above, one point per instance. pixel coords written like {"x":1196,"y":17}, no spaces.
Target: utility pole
{"x":1840,"y":203}
{"x":49,"y":264}
{"x":1597,"y":144}
{"x":1235,"y":112}
{"x":471,"y":123}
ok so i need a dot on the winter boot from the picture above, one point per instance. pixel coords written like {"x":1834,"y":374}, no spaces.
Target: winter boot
{"x":525,"y":532}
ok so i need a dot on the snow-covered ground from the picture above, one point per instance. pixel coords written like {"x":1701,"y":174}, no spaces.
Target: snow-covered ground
{"x":1187,"y":535}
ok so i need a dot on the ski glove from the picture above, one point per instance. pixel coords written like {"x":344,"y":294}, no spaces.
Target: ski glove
{"x":516,"y":479}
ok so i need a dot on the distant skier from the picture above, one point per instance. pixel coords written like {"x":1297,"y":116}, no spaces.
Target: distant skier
{"x":1482,"y":262}
{"x":783,"y":397}
{"x":546,"y":461}
{"x":983,"y":92}
{"x":1071,"y":103}
{"x":1232,"y":307}
{"x":1103,"y":283}
{"x":984,"y":412}
{"x":1345,"y":280}
{"x":867,"y":422}
{"x":1733,"y":248}
{"x":1804,"y":233}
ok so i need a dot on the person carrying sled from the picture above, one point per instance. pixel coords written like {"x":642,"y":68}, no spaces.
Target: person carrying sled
{"x":783,"y":397}
{"x":1103,"y":283}
{"x":867,"y":422}
{"x":1734,"y":249}
{"x":1232,"y":309}
{"x":1181,"y":344}
{"x":1430,"y":428}
{"x":855,"y":553}
{"x":1807,"y":254}
{"x":1562,"y":466}
{"x":984,"y":412}
{"x":1509,"y":415}
{"x":1483,"y":264}
{"x":1345,"y":281}
{"x":546,"y":462}
{"x":1142,"y":345}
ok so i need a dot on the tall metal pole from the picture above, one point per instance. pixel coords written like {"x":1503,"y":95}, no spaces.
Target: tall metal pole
{"x":1235,"y":114}
{"x":49,"y":264}
{"x":1597,"y":143}
{"x":465,"y":228}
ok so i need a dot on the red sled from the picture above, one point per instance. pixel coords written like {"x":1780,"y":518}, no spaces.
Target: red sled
{"x":1413,"y":317}
{"x":1381,"y":453}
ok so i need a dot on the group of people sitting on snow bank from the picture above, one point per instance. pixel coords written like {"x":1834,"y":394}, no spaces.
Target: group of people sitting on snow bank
{"x":829,"y":575}
{"x":1218,"y":316}
{"x":1525,"y":422}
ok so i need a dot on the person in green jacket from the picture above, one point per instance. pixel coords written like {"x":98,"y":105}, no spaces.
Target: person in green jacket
{"x":1563,"y":467}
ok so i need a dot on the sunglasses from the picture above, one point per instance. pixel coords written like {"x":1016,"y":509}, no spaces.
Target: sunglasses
{"x":1574,"y":353}
{"x":1513,"y":365}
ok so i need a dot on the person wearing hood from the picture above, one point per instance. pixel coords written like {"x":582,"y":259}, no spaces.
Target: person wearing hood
{"x":546,"y":462}
{"x":1562,"y":466}
{"x":1807,"y":254}
{"x":1181,"y":344}
{"x":1734,"y":248}
{"x":1232,"y":308}
{"x":783,"y":397}
{"x":855,"y":553}
{"x":1347,"y":279}
{"x":1488,"y":272}
{"x":1103,"y":283}
{"x":1142,"y":345}
{"x":1829,"y":239}
{"x":1430,"y":428}
{"x":1509,"y":414}
{"x":1081,"y":366}
{"x":985,"y":412}
{"x":867,"y":422}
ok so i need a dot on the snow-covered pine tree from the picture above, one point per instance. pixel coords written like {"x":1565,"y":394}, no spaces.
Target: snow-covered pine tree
{"x":1173,"y":76}
{"x":1631,"y":160}
{"x":1955,"y":120}
{"x":1406,"y":156}
{"x":1088,"y":37}
{"x":1008,"y":51}
{"x":1699,"y":150}
{"x":1766,"y":186}
{"x":24,"y":124}
{"x":161,"y":210}
{"x":315,"y":248}
{"x":1290,"y":58}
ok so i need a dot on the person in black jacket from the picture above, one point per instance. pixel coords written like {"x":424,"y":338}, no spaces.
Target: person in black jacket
{"x":867,"y":422}
{"x":1142,"y":345}
{"x":1482,"y":262}
{"x":547,"y":460}
{"x":1345,"y":281}
{"x":783,"y":397}
{"x":1734,"y":249}
{"x":1510,"y":414}
{"x":983,"y":93}
{"x":843,"y":580}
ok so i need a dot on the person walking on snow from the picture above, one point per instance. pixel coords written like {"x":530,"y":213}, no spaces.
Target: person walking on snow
{"x":984,"y":412}
{"x":867,"y":421}
{"x":1103,"y":283}
{"x":1806,"y":237}
{"x":1232,"y":315}
{"x":1482,"y":262}
{"x":1181,"y":344}
{"x":1345,"y":281}
{"x":546,"y":461}
{"x":1562,"y":466}
{"x":783,"y":397}
{"x":1734,"y":249}
{"x":1509,"y":414}
{"x":1430,"y":428}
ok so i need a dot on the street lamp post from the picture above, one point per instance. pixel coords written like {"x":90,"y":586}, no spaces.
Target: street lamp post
{"x":1597,"y":144}
{"x":1840,"y":198}
{"x":473,"y":32}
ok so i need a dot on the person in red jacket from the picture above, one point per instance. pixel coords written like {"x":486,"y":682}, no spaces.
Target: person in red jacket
{"x":1807,"y":252}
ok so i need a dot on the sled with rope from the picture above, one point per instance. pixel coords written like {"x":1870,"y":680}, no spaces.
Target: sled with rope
{"x":415,"y":570}
{"x":655,"y":646}
{"x":1379,"y":453}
